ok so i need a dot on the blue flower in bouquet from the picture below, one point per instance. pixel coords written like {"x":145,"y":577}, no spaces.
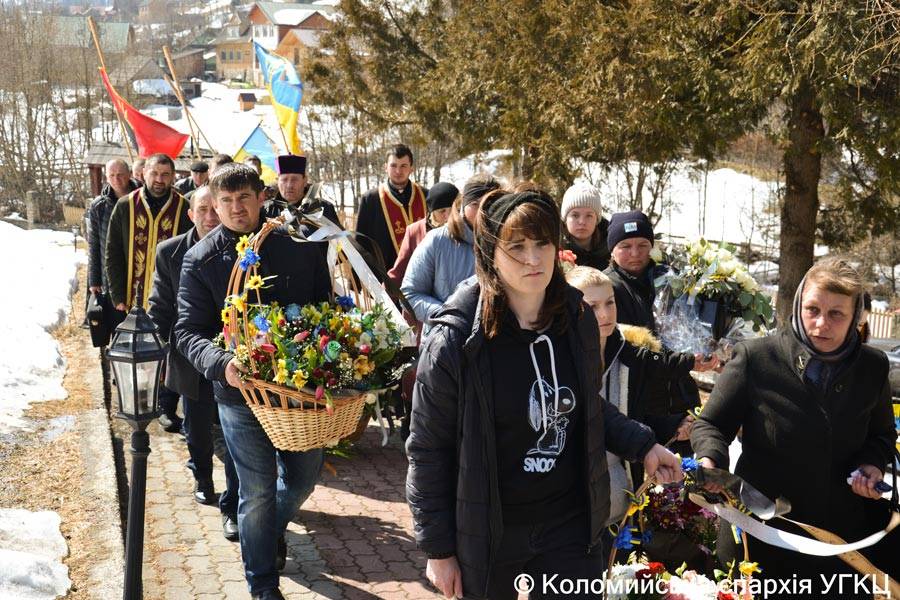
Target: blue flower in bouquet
{"x":345,"y":302}
{"x":689,"y":464}
{"x":646,"y":537}
{"x":332,"y":350}
{"x":249,"y":259}
{"x":624,"y":540}
{"x":292,"y":312}
{"x":261,"y":323}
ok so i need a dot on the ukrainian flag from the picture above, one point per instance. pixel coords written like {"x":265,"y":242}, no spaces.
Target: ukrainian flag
{"x":286,"y":91}
{"x":262,"y":146}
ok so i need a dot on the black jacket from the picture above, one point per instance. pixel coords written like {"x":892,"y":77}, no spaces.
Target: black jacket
{"x":634,"y":296}
{"x":651,"y":369}
{"x":452,"y":483}
{"x":185,"y":185}
{"x":598,"y":256}
{"x":302,"y":278}
{"x":99,"y":212}
{"x":634,"y":306}
{"x":797,"y":442}
{"x":181,"y":376}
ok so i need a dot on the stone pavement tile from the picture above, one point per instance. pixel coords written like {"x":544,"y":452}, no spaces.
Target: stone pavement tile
{"x":234,"y":590}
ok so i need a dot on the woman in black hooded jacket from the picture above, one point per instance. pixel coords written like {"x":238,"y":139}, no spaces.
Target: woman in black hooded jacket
{"x":507,"y":446}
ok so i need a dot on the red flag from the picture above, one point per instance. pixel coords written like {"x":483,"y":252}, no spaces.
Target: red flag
{"x":151,"y":135}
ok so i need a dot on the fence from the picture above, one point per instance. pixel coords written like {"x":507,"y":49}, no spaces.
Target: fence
{"x":883,"y":324}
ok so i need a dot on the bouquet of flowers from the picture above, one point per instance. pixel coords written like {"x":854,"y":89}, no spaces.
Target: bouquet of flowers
{"x":705,"y":297}
{"x":309,"y":370}
{"x":640,"y":580}
{"x":326,"y":347}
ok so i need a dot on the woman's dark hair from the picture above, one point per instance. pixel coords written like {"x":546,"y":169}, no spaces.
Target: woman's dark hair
{"x":456,"y":225}
{"x":535,"y":217}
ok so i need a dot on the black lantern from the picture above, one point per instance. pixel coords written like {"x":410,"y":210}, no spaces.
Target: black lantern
{"x":137,"y":356}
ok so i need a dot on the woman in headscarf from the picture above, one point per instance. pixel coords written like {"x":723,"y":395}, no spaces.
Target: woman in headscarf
{"x":814,"y":407}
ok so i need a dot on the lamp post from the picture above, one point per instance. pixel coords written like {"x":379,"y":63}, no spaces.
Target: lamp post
{"x":137,"y":355}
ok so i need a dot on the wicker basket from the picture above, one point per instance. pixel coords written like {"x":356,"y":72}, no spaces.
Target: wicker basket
{"x":294,"y":419}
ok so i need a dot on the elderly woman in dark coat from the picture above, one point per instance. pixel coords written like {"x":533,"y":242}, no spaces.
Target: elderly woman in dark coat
{"x":507,"y":448}
{"x":815,"y":408}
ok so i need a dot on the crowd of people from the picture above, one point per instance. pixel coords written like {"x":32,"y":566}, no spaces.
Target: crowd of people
{"x":539,"y":399}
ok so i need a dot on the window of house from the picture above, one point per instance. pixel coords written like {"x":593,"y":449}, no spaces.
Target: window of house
{"x":238,"y":55}
{"x":296,"y":56}
{"x":231,"y":55}
{"x":224,"y":55}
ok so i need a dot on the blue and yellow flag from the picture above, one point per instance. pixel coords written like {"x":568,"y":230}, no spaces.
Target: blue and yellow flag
{"x":262,"y":146}
{"x":286,"y":91}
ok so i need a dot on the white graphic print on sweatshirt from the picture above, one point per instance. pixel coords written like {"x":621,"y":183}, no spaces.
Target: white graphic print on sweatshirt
{"x":548,"y":406}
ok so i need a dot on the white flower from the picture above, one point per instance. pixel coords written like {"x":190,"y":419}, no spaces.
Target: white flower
{"x":371,"y":398}
{"x":727,"y":266}
{"x":709,"y":255}
{"x":656,"y":254}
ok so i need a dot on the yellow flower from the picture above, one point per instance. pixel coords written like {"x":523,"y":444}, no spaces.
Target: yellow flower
{"x":333,"y":323}
{"x":242,"y":353}
{"x":299,"y":379}
{"x":281,"y":374}
{"x":243,"y":244}
{"x":237,"y":301}
{"x":254,"y":282}
{"x":362,"y":367}
{"x":225,"y":315}
{"x":749,"y":568}
{"x":310,"y":353}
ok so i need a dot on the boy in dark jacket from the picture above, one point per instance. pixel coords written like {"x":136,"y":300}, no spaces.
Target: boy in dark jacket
{"x":273,"y":483}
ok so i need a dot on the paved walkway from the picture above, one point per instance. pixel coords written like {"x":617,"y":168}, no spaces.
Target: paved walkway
{"x":351,"y":540}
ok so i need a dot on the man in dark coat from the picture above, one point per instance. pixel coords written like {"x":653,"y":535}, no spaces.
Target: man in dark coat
{"x":630,"y":240}
{"x":139,"y":221}
{"x":118,"y":184}
{"x":198,"y":177}
{"x":386,"y":211}
{"x":273,"y":483}
{"x":201,"y":417}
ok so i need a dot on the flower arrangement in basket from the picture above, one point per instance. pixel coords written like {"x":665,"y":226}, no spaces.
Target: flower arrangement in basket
{"x":642,"y":580}
{"x":310,"y":370}
{"x":642,"y":577}
{"x":707,"y":295}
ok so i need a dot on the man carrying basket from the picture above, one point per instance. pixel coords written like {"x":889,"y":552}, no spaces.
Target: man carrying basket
{"x":273,"y":483}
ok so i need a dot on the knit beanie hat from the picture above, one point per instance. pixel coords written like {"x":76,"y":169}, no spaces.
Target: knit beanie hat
{"x":581,"y":195}
{"x":441,"y":195}
{"x":632,"y":224}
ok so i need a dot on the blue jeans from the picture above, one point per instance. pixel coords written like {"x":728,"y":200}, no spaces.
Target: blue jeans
{"x":203,"y":433}
{"x":273,"y":485}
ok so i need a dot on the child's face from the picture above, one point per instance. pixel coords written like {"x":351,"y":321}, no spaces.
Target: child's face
{"x":603,"y":302}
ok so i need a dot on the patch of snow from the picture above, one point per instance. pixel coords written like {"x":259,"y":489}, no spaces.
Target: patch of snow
{"x":40,"y":268}
{"x":58,"y":426}
{"x":880,"y":305}
{"x":31,"y":552}
{"x":15,"y":217}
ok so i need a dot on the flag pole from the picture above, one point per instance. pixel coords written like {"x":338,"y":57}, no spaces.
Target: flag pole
{"x":93,"y":27}
{"x":177,"y":89}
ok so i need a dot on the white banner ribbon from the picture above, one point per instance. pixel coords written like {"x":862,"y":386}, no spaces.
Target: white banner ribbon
{"x":789,"y":541}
